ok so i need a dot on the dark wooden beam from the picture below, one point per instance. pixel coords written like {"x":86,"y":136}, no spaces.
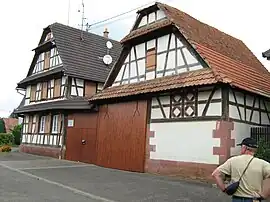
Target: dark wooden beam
{"x":225,"y":102}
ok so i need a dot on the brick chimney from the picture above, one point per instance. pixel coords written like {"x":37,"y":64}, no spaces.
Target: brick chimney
{"x":106,"y":33}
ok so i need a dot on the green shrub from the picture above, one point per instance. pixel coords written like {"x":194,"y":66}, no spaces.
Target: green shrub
{"x":16,"y":132}
{"x":6,"y":139}
{"x":2,"y":126}
{"x":263,"y":151}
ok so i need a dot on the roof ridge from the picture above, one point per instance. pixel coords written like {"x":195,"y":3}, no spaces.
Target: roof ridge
{"x":90,"y":33}
{"x":166,"y":5}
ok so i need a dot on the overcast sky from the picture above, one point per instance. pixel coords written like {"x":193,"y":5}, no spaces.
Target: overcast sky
{"x":22,"y":23}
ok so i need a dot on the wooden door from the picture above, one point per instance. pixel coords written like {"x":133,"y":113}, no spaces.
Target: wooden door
{"x":122,"y":135}
{"x":81,"y":138}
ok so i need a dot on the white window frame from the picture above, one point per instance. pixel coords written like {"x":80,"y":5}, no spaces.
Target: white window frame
{"x":27,"y":95}
{"x":77,"y":86}
{"x":50,"y":89}
{"x":55,"y":124}
{"x":42,"y":124}
{"x":25,"y":124}
{"x":38,"y":91}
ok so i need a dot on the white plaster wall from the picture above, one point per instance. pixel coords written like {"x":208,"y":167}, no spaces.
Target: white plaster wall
{"x":185,"y":141}
{"x":175,"y":63}
{"x":234,"y":113}
{"x":241,"y":131}
{"x":214,"y":109}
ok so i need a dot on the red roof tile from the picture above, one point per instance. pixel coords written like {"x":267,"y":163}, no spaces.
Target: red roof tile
{"x":195,"y":78}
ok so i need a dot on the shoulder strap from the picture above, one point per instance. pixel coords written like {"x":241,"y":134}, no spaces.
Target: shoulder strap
{"x":246,"y":168}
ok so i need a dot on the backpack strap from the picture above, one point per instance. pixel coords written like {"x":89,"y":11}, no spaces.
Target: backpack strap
{"x":246,"y":168}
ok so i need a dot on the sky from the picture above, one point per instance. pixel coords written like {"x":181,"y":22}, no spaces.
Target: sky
{"x":22,"y":23}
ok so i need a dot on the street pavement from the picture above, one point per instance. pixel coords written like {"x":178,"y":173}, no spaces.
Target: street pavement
{"x":27,"y":177}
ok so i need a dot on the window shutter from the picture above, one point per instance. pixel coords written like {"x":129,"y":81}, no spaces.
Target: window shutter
{"x":33,"y":93}
{"x":44,"y":90}
{"x":57,"y":87}
{"x":47,"y":60}
{"x":59,"y":124}
{"x":37,"y":124}
{"x":151,"y":59}
{"x":48,"y":124}
{"x":30,"y":124}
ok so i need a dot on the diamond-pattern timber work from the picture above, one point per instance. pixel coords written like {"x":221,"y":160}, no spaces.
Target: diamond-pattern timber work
{"x":183,"y":104}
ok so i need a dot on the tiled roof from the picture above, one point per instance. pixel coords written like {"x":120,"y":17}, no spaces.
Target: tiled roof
{"x":195,"y":78}
{"x":81,"y":58}
{"x":229,"y":59}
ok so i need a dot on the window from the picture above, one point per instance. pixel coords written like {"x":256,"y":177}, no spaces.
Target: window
{"x":25,"y":124}
{"x":55,"y":58}
{"x":63,"y":83}
{"x":77,"y":87}
{"x":99,"y":87}
{"x":50,"y":89}
{"x":151,"y":59}
{"x":55,"y":124}
{"x":34,"y":124}
{"x":42,"y":124}
{"x":27,"y":95}
{"x":38,"y":91}
{"x":40,"y":64}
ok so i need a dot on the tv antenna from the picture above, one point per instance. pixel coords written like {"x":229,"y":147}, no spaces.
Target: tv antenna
{"x":83,"y":18}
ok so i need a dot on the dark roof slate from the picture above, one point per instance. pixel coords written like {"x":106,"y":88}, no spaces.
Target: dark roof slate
{"x":81,"y":58}
{"x":70,"y":103}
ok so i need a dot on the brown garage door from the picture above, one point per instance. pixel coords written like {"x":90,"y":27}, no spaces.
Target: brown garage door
{"x":81,"y":138}
{"x":121,"y":136}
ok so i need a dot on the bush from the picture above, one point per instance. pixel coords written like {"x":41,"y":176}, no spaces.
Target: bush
{"x":2,"y":126}
{"x":6,"y":139}
{"x":5,"y":148}
{"x":263,"y":151}
{"x":16,"y":132}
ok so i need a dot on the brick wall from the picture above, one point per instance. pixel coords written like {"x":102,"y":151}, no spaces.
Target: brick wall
{"x":40,"y":150}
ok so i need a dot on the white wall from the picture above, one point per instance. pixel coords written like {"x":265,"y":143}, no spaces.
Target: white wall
{"x":234,"y":113}
{"x":214,"y":109}
{"x":133,"y":71}
{"x":241,"y":131}
{"x":185,"y":141}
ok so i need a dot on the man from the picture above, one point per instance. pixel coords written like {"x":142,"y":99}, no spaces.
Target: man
{"x":250,"y":188}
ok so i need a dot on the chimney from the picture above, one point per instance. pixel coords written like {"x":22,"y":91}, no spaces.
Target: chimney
{"x":106,"y":33}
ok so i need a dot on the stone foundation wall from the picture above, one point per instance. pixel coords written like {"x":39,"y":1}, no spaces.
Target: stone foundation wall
{"x":40,"y":150}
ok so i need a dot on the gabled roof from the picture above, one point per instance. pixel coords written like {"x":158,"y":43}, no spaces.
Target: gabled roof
{"x":228,"y":58}
{"x":81,"y":58}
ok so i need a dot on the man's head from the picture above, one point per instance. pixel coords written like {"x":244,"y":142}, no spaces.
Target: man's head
{"x":248,"y":146}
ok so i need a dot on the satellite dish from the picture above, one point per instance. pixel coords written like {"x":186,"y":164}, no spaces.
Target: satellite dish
{"x":107,"y":59}
{"x":109,"y":44}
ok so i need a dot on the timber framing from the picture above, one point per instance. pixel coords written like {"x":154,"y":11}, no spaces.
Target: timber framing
{"x":250,"y":108}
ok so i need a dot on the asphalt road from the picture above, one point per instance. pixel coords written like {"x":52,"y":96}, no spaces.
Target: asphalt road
{"x":33,"y":178}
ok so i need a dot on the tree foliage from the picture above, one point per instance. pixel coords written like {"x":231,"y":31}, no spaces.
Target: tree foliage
{"x":2,"y":126}
{"x":263,"y":151}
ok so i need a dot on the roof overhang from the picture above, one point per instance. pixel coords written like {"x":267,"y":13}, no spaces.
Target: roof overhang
{"x":266,"y":54}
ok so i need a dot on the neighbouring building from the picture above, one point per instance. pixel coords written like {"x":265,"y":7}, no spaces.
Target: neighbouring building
{"x":68,"y":67}
{"x":179,"y":98}
{"x":10,"y":123}
{"x":266,"y":54}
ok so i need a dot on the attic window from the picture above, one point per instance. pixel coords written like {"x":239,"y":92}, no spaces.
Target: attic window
{"x":49,"y":36}
{"x":151,"y":59}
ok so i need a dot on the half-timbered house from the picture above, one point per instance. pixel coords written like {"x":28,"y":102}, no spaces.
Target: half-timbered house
{"x":180,"y":96}
{"x":67,"y":67}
